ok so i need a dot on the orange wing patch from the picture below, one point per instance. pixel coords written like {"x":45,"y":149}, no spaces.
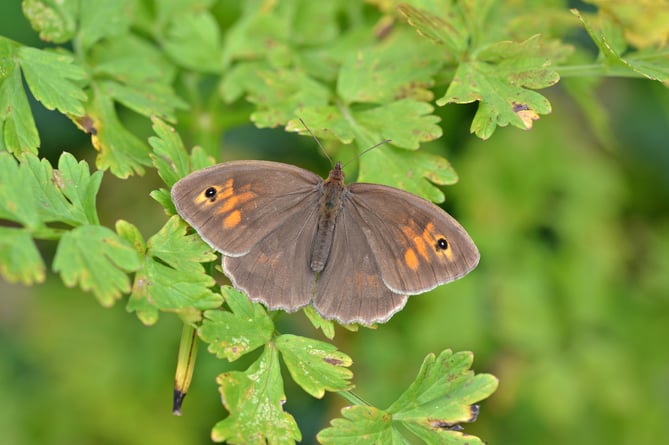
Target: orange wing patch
{"x":232,"y":219}
{"x":227,"y":201}
{"x":424,"y":244}
{"x":410,"y":259}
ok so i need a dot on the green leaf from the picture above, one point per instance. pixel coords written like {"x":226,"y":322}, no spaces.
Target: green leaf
{"x":166,"y":10}
{"x":433,"y":407}
{"x":192,"y":39}
{"x":55,"y":20}
{"x":178,"y":250}
{"x":325,"y":122}
{"x":169,"y":155}
{"x":233,"y":334}
{"x":443,"y":392}
{"x":447,"y":27}
{"x":445,"y":434}
{"x":405,"y":122}
{"x":315,"y":365}
{"x":119,"y":150}
{"x":261,"y":32}
{"x":103,"y":18}
{"x":415,"y":172}
{"x":18,"y":202}
{"x":171,"y":276}
{"x":131,"y":234}
{"x":361,"y":425}
{"x":67,"y":194}
{"x":96,"y":259}
{"x":19,"y":133}
{"x":151,"y":99}
{"x":137,"y":75}
{"x":500,"y":77}
{"x":279,"y":94}
{"x":20,"y":261}
{"x":54,"y":79}
{"x":326,"y":326}
{"x":403,"y":66}
{"x":651,"y":64}
{"x":255,"y":401}
{"x":79,"y":187}
{"x":34,"y":193}
{"x":131,"y":60}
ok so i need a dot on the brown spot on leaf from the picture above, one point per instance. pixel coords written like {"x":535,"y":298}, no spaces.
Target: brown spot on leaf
{"x":333,"y":361}
{"x":87,"y":124}
{"x":525,"y":113}
{"x":442,"y":425}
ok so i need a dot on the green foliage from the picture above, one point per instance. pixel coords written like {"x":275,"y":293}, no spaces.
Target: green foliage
{"x":551,"y":222}
{"x":432,"y":408}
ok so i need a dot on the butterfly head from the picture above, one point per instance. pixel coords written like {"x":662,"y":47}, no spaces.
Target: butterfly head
{"x":336,"y":174}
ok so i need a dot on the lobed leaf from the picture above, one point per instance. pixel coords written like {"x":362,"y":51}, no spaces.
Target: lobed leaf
{"x":361,"y":425}
{"x":54,"y":79}
{"x":433,"y":407}
{"x":102,"y":19}
{"x":403,"y":66}
{"x":414,"y":172}
{"x":443,"y":392}
{"x":120,"y":151}
{"x":19,"y":133}
{"x":18,"y":202}
{"x":278,"y":93}
{"x":149,"y":99}
{"x":445,"y":24}
{"x":318,"y":322}
{"x":650,"y":64}
{"x":243,"y":329}
{"x":55,"y":20}
{"x":131,"y":60}
{"x":171,"y":276}
{"x":169,"y":154}
{"x":315,"y":365}
{"x":192,"y":39}
{"x":32,"y":193}
{"x":97,"y":259}
{"x":499,"y":77}
{"x":20,"y":261}
{"x":255,"y":399}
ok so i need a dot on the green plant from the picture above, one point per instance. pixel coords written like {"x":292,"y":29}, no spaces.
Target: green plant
{"x":356,"y":73}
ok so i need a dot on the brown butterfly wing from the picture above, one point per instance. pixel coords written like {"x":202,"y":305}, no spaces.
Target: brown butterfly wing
{"x":236,"y":204}
{"x":350,"y":288}
{"x":276,"y":270}
{"x":416,"y":245}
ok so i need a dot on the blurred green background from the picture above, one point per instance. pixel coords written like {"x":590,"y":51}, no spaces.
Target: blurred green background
{"x":569,"y":306}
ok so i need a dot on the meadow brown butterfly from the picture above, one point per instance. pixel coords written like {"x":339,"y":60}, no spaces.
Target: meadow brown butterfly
{"x":290,"y":238}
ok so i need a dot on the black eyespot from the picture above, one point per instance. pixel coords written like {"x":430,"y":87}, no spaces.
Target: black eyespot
{"x":210,"y":193}
{"x":442,"y":244}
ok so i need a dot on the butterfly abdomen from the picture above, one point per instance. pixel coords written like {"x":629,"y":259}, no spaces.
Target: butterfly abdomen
{"x":330,"y":205}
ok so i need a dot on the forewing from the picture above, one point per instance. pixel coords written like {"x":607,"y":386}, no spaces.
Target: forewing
{"x":276,"y":270}
{"x":416,"y":245}
{"x":350,"y":288}
{"x":251,"y":200}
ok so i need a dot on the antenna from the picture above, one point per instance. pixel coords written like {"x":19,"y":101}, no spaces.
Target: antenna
{"x":317,"y":140}
{"x":378,"y":144}
{"x":385,"y":141}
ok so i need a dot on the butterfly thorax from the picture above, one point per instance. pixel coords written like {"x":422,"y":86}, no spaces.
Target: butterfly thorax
{"x":330,"y":204}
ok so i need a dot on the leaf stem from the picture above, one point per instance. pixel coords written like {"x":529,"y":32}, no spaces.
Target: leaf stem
{"x":353,"y":398}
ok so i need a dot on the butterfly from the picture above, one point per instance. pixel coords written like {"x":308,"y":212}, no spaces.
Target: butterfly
{"x":290,"y":238}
